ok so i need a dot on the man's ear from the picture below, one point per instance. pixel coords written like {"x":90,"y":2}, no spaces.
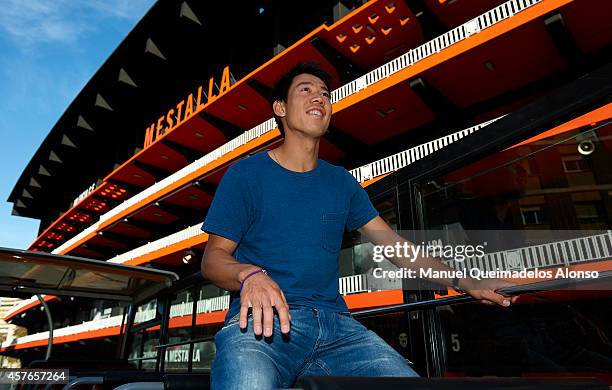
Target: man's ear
{"x":279,"y":108}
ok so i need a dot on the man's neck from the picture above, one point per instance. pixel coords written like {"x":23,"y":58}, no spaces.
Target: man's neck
{"x":298,"y":154}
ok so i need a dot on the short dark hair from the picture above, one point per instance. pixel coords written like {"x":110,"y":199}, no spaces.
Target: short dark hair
{"x":280,"y":92}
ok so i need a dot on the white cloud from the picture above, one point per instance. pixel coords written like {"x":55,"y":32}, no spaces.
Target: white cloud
{"x":28,"y":22}
{"x":124,"y":9}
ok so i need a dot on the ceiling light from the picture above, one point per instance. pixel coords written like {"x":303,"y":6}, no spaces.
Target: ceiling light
{"x":189,"y":255}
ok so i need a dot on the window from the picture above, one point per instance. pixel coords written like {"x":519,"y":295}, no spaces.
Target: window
{"x":533,"y":215}
{"x":574,"y":164}
{"x":181,"y":316}
{"x":587,"y":212}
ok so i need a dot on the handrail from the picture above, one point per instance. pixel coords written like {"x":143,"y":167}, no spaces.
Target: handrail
{"x":464,"y":31}
{"x":142,"y":358}
{"x":192,"y":341}
{"x":536,"y":287}
{"x":414,"y":306}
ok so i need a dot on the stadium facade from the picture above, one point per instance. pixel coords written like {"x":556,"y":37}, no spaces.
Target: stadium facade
{"x":443,"y":110}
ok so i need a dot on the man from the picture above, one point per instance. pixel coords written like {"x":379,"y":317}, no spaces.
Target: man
{"x":276,"y":226}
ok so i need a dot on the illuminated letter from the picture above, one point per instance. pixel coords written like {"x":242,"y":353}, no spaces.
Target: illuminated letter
{"x":169,"y":119}
{"x":179,"y":108}
{"x":189,"y":106}
{"x":199,"y":104}
{"x":225,"y":80}
{"x":159,"y":128}
{"x":149,"y":135}
{"x":211,"y":95}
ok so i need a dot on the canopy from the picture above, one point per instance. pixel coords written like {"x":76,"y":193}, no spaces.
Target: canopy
{"x":24,"y":273}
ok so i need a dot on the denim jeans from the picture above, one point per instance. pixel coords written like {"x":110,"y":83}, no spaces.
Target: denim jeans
{"x":320,"y":343}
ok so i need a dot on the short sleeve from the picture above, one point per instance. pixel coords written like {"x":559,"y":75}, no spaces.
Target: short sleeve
{"x":229,"y":215}
{"x":361,"y":209}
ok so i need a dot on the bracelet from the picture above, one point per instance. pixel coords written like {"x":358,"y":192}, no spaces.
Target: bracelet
{"x":251,"y":274}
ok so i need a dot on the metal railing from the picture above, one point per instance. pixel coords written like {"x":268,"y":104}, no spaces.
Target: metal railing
{"x":407,"y":157}
{"x":553,"y":254}
{"x":353,"y":284}
{"x":84,"y":327}
{"x":182,"y":235}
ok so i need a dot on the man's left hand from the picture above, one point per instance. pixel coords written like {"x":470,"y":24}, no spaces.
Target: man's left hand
{"x":484,"y":290}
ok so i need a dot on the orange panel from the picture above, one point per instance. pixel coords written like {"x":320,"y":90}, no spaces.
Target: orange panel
{"x":163,"y":157}
{"x":191,"y":197}
{"x":154,"y":214}
{"x":365,"y":28}
{"x":242,"y":107}
{"x":384,"y":115}
{"x":374,"y":299}
{"x":539,"y":58}
{"x":589,"y":22}
{"x":452,"y":14}
{"x":198,"y":134}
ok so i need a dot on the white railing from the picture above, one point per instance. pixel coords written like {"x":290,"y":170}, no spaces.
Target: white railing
{"x":21,"y":305}
{"x":183,"y":235}
{"x":407,"y":157}
{"x":145,"y":315}
{"x":69,"y":330}
{"x":353,"y":284}
{"x":213,"y":304}
{"x":553,"y":254}
{"x":429,"y":48}
{"x":206,"y":305}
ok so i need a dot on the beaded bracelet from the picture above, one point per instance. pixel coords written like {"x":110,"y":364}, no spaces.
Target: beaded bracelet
{"x":251,"y":274}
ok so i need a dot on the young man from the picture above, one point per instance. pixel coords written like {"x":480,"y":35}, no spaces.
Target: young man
{"x":276,"y":226}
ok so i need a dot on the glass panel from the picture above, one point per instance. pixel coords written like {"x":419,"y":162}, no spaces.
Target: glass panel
{"x":147,"y":312}
{"x":394,"y":329}
{"x":44,"y":273}
{"x":149,"y":350}
{"x":203,"y":356}
{"x":561,"y":182}
{"x":181,"y":315}
{"x":135,"y":347}
{"x":212,"y":303}
{"x":177,"y":358}
{"x":18,"y":271}
{"x":143,"y":347}
{"x":543,"y":337}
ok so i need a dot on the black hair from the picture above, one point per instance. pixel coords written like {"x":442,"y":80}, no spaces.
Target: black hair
{"x":280,"y":92}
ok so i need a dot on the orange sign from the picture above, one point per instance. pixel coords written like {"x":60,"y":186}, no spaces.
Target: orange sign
{"x":186,"y":108}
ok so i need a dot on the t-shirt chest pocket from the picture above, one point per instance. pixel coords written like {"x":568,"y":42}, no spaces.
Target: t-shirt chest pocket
{"x":333,"y":228}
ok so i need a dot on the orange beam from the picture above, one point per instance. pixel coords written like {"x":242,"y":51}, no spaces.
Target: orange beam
{"x":93,"y":334}
{"x":592,"y":119}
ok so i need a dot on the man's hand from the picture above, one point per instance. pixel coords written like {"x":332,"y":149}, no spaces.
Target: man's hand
{"x":262,"y":294}
{"x":484,"y":290}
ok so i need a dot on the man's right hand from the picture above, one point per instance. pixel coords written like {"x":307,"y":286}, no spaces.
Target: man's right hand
{"x":263,"y":295}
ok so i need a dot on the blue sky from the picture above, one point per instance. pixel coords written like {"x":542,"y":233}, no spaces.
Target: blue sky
{"x":48,"y":51}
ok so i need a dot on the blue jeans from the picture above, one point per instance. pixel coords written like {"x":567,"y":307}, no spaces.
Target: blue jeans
{"x":320,"y":343}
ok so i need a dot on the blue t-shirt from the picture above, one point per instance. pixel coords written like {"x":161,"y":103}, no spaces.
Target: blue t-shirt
{"x":291,"y":224}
